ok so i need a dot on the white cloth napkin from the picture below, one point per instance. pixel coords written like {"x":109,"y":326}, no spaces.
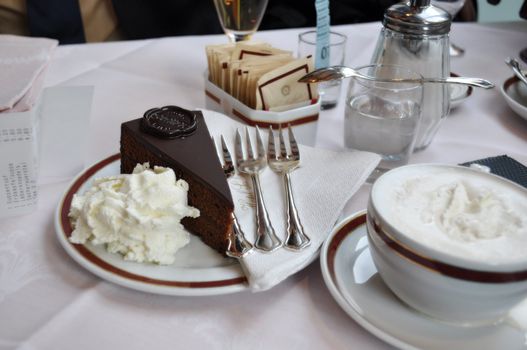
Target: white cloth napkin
{"x":322,"y":185}
{"x":23,"y":62}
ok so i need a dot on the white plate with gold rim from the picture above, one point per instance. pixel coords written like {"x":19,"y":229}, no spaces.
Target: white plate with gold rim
{"x":198,"y":269}
{"x":355,"y":284}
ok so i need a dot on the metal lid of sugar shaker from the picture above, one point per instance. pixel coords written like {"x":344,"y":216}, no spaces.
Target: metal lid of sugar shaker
{"x":417,"y":17}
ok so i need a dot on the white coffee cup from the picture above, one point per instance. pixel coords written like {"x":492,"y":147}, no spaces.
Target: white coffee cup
{"x":441,"y":269}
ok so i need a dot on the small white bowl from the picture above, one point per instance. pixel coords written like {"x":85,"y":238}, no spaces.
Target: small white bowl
{"x":449,"y":287}
{"x":515,"y":93}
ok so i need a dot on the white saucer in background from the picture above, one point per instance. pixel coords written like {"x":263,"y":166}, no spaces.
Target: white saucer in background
{"x":354,"y":282}
{"x":458,"y":93}
{"x":515,"y":93}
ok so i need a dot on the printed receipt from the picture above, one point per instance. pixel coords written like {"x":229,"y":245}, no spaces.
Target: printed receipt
{"x":41,"y":146}
{"x":18,"y":173}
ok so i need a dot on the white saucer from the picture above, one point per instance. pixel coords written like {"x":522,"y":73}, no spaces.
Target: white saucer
{"x":198,"y":269}
{"x":458,"y":93}
{"x":353,"y":281}
{"x":515,"y":93}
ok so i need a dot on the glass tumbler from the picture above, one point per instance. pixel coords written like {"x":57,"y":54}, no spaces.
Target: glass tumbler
{"x":383,"y":117}
{"x":427,"y":55}
{"x":307,"y":45}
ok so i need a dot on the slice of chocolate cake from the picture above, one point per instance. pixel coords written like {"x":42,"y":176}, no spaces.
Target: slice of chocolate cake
{"x":179,"y":139}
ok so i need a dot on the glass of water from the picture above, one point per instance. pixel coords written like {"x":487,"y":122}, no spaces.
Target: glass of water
{"x":383,"y":117}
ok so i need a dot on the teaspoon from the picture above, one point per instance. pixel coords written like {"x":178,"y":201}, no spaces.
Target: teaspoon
{"x":341,"y":72}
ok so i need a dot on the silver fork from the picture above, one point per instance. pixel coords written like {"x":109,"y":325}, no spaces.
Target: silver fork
{"x":252,"y":165}
{"x":238,"y":245}
{"x":285,"y":163}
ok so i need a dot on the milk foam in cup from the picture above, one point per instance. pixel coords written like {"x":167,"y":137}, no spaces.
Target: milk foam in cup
{"x":461,"y":213}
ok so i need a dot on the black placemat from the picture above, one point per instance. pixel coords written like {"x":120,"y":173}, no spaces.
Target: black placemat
{"x":504,"y":166}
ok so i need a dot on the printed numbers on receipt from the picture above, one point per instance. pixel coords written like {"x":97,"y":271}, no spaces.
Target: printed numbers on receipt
{"x":18,"y":185}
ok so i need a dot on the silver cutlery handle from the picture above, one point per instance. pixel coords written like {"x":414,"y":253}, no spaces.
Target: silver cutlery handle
{"x":516,"y":69}
{"x":477,"y":82}
{"x":296,"y":238}
{"x":266,"y":240}
{"x":341,"y":72}
{"x":238,"y":246}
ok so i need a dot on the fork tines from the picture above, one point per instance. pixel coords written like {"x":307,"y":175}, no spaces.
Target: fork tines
{"x":229,"y":165}
{"x":293,"y":146}
{"x":260,"y":150}
{"x":238,"y":245}
{"x":252,"y":165}
{"x":270,"y":144}
{"x":292,"y":143}
{"x":238,"y":150}
{"x":248,"y":145}
{"x":284,"y":163}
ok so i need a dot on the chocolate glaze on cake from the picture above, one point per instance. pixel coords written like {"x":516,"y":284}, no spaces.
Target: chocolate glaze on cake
{"x":184,"y":145}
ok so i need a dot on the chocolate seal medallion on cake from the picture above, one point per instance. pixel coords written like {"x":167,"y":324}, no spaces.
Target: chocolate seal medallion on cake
{"x":169,"y":122}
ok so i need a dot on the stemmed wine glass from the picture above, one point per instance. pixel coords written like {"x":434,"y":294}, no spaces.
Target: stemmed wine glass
{"x":452,"y":7}
{"x":240,"y":18}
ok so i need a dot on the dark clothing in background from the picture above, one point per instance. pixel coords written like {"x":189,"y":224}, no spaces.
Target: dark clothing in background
{"x":302,"y":13}
{"x":140,"y":19}
{"x":63,"y":24}
{"x":69,"y":21}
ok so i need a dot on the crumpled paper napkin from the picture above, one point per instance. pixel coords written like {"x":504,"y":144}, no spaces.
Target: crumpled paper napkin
{"x":322,"y":185}
{"x":23,"y":62}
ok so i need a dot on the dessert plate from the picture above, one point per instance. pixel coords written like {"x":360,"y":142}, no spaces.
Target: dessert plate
{"x":198,"y":269}
{"x":515,"y":93}
{"x":354,"y":282}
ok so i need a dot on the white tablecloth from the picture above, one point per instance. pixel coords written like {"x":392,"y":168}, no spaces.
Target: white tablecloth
{"x":47,"y":301}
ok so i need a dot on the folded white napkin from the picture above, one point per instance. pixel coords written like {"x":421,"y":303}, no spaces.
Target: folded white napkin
{"x":23,"y":62}
{"x":322,"y":185}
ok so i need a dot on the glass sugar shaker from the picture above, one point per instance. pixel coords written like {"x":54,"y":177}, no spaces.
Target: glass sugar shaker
{"x":416,"y":35}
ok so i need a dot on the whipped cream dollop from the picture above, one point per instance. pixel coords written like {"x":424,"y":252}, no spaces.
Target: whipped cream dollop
{"x":460,"y":213}
{"x":137,"y":215}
